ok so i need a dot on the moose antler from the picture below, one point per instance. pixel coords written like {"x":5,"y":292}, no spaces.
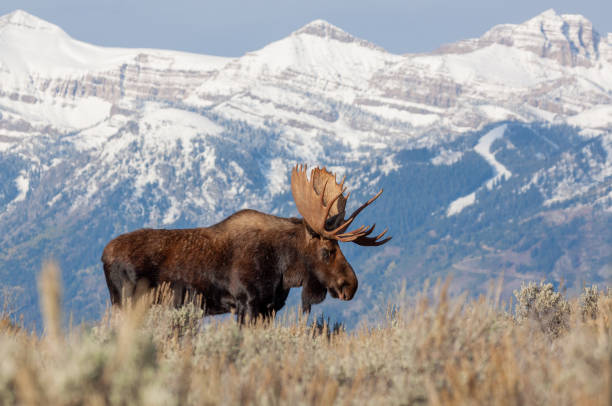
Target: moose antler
{"x":321,"y":202}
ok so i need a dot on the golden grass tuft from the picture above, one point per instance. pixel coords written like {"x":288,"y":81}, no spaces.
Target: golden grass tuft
{"x":50,"y":289}
{"x":439,"y":350}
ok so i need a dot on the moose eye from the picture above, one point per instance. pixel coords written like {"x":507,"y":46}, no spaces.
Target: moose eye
{"x":326,"y":253}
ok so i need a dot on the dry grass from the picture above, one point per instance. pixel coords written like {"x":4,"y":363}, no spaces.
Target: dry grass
{"x":442,"y":351}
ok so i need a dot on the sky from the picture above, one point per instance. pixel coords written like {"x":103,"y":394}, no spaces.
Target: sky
{"x":234,"y":27}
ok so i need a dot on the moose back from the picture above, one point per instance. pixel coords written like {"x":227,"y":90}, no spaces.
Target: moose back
{"x":248,"y":262}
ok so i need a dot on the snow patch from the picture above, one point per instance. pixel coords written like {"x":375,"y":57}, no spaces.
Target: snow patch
{"x":484,"y":149}
{"x":414,"y":119}
{"x":597,"y":117}
{"x":496,"y":113}
{"x":54,"y":199}
{"x":389,"y":165}
{"x":461,"y":203}
{"x":447,"y":157}
{"x":173,"y":213}
{"x":31,"y":45}
{"x":63,"y":114}
{"x":23,"y":185}
{"x":277,"y":177}
{"x":519,"y":70}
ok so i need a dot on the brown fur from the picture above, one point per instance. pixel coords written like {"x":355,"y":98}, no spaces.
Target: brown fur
{"x":245,"y":264}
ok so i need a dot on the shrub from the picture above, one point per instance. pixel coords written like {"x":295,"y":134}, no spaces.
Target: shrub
{"x":441,"y":349}
{"x":589,"y":301}
{"x":169,"y":322}
{"x":542,"y":305}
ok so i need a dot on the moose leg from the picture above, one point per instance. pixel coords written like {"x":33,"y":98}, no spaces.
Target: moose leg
{"x":121,"y":281}
{"x":248,"y":309}
{"x":178,"y":294}
{"x":241,"y":308}
{"x":115,"y":291}
{"x":256,"y":309}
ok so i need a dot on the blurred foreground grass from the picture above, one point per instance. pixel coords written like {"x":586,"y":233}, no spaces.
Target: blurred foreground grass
{"x":433,"y":351}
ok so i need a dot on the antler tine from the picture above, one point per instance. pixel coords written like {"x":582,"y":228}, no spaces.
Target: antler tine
{"x":323,"y":193}
{"x":321,"y":224}
{"x":372,"y":241}
{"x":352,"y":217}
{"x":328,"y":208}
{"x":356,"y":234}
{"x":361,"y":231}
{"x":366,"y":204}
{"x":312,"y":197}
{"x":313,"y":204}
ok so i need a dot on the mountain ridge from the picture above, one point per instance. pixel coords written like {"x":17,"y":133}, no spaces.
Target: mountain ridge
{"x":570,"y":39}
{"x":154,"y":138}
{"x":362,"y":74}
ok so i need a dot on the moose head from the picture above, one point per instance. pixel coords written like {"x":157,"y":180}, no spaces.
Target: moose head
{"x":321,"y":202}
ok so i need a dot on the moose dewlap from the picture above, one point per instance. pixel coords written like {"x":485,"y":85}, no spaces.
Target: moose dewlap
{"x":248,"y":262}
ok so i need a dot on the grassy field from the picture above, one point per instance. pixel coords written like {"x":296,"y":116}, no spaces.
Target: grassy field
{"x":542,"y":349}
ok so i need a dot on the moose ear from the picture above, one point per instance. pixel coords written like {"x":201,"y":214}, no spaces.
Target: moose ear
{"x":310,"y":233}
{"x":334,"y":221}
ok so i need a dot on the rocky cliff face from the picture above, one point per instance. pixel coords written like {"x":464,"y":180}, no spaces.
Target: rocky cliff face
{"x":569,"y":40}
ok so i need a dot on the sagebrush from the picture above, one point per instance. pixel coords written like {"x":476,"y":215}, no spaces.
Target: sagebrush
{"x":436,"y":350}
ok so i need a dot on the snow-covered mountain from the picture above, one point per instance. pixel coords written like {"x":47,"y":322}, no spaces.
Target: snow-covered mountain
{"x":95,"y":141}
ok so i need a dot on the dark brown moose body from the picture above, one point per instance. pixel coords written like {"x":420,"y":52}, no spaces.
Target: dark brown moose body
{"x":248,"y":262}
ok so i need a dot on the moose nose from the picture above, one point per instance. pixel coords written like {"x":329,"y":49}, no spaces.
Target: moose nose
{"x":347,"y":293}
{"x":347,"y":289}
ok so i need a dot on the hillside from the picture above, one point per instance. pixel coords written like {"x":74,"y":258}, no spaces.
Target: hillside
{"x":494,"y":152}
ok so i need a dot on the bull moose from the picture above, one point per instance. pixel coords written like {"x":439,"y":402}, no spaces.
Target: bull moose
{"x":247,"y":263}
